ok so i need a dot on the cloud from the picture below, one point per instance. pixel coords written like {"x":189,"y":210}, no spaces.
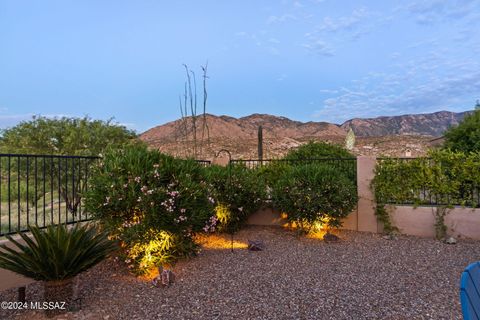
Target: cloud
{"x":280,"y":19}
{"x":344,"y":23}
{"x":328,"y":91}
{"x":452,"y":85}
{"x":340,"y":30}
{"x":433,"y":11}
{"x":298,"y":4}
{"x":320,"y":48}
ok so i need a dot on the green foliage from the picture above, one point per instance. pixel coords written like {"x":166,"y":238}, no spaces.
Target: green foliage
{"x":317,"y":150}
{"x":237,"y":192}
{"x":449,"y":178}
{"x":332,"y":155}
{"x":466,"y":136}
{"x":57,"y":253}
{"x":67,"y":136}
{"x":271,"y":172}
{"x":314,"y":193}
{"x":150,"y":200}
{"x":445,"y":177}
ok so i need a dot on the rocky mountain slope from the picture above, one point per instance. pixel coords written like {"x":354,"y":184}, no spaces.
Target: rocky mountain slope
{"x":382,"y":135}
{"x":431,"y":124}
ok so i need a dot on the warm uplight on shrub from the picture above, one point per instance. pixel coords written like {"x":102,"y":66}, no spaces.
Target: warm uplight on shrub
{"x":314,"y":195}
{"x":223,"y":214}
{"x":152,"y":203}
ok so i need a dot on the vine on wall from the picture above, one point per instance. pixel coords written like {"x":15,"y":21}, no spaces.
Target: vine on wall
{"x":443,"y":179}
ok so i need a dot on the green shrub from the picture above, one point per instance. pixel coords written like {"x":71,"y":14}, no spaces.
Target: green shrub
{"x":445,"y":177}
{"x":56,"y":253}
{"x":152,"y":202}
{"x":466,"y":136}
{"x":315,"y":193}
{"x":316,"y":150}
{"x":237,"y":192}
{"x":326,"y":154}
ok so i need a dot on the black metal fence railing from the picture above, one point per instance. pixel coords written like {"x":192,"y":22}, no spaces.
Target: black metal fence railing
{"x":413,"y":189}
{"x":347,"y":165}
{"x":42,"y":190}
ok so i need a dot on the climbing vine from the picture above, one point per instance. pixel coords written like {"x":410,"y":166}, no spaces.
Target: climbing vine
{"x":443,"y":179}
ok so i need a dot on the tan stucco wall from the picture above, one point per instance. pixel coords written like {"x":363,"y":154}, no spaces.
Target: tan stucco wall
{"x":367,"y":220}
{"x":9,"y":279}
{"x":266,"y":217}
{"x":460,"y":222}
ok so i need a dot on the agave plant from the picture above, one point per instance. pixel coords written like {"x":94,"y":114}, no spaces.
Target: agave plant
{"x":56,"y":255}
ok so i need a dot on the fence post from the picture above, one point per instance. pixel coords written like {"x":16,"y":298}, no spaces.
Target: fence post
{"x":367,"y":220}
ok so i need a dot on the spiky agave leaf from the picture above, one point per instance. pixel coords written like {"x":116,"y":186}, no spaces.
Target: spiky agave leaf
{"x":56,"y":253}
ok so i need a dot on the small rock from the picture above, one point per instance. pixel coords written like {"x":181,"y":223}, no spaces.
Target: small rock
{"x":165,"y":278}
{"x":255,"y":245}
{"x":390,"y":236}
{"x":451,"y":240}
{"x":330,"y":237}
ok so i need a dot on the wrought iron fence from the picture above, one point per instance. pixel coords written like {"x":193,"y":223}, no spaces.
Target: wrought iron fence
{"x":42,"y":190}
{"x":347,"y":165}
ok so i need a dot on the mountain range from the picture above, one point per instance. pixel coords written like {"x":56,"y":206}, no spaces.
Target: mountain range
{"x":280,"y":134}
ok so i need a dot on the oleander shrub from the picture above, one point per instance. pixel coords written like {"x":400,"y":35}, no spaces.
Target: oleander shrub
{"x":237,"y":193}
{"x":153,"y":203}
{"x":314,"y":194}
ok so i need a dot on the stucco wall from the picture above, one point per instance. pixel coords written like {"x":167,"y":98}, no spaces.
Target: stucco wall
{"x":9,"y":279}
{"x":460,"y":222}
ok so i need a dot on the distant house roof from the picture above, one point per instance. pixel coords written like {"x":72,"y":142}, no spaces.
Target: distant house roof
{"x":437,"y":141}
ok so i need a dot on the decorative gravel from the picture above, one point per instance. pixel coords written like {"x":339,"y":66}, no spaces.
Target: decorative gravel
{"x":362,"y":276}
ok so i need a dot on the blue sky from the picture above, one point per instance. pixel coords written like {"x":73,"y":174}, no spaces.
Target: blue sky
{"x":309,"y":60}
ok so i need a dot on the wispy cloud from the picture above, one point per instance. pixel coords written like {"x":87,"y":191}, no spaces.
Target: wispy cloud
{"x":406,"y":91}
{"x":280,"y":19}
{"x":433,"y":11}
{"x":336,"y":31}
{"x":344,"y":23}
{"x":320,"y":48}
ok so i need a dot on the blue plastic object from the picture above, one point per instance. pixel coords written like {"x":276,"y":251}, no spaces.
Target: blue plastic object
{"x":470,"y":292}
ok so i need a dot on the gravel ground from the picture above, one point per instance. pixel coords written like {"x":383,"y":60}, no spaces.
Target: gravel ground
{"x":362,"y":276}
